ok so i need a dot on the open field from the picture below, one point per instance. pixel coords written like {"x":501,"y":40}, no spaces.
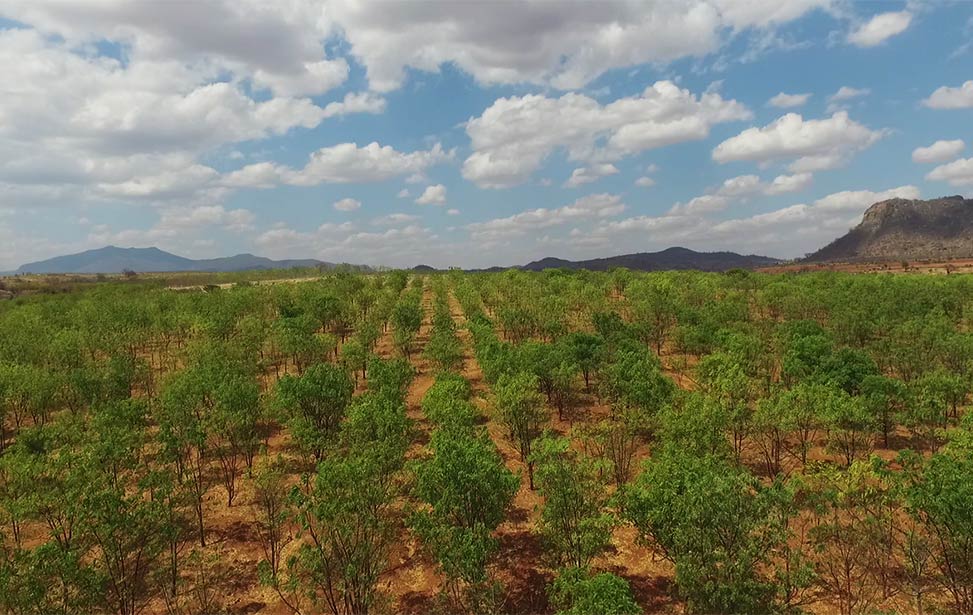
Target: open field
{"x":506,"y":443}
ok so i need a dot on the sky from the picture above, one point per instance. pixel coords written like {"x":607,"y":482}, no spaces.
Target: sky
{"x":472,"y":133}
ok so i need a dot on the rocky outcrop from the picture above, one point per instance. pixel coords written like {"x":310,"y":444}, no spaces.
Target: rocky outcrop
{"x":906,"y":229}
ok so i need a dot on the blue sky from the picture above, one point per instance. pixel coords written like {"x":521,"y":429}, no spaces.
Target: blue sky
{"x":473,"y":134}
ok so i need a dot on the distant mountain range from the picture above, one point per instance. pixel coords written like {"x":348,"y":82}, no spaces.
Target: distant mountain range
{"x":671,"y":258}
{"x":111,"y":259}
{"x":906,"y":229}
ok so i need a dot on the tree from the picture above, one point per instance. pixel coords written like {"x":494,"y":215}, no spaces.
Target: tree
{"x":522,"y":412}
{"x":346,"y":514}
{"x":850,"y":424}
{"x":714,"y":523}
{"x":576,"y":592}
{"x":274,"y":516}
{"x":315,"y":403}
{"x":941,"y":498}
{"x":886,"y":399}
{"x":615,"y":443}
{"x":584,"y":350}
{"x":574,"y":522}
{"x":468,"y":491}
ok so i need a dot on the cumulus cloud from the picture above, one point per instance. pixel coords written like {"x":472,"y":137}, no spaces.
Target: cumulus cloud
{"x":947,"y":97}
{"x":848,"y":93}
{"x":339,"y":164}
{"x":347,"y":204}
{"x":513,"y":137}
{"x":355,"y":102}
{"x":786,"y":101}
{"x":589,"y":207}
{"x":741,"y":187}
{"x":957,"y":173}
{"x":586,"y":175}
{"x":880,"y":28}
{"x":433,"y":195}
{"x":561,"y":44}
{"x":137,"y":129}
{"x":940,"y":151}
{"x":346,"y":243}
{"x":789,"y":231}
{"x":812,"y":145}
{"x":396,"y":219}
{"x":645,"y":182}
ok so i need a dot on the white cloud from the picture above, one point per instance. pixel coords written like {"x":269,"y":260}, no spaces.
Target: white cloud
{"x":741,"y":187}
{"x":951,"y":98}
{"x":940,"y":151}
{"x":586,"y":175}
{"x":848,"y":93}
{"x":786,"y":101}
{"x":396,"y":219}
{"x":433,"y":195}
{"x":588,"y":207}
{"x":315,"y":78}
{"x":562,"y":44}
{"x":403,"y":194}
{"x":339,"y":164}
{"x":452,"y":212}
{"x":347,"y":204}
{"x":880,"y":28}
{"x":136,"y":129}
{"x":789,"y":231}
{"x":783,"y":184}
{"x":812,"y":144}
{"x":279,"y":46}
{"x":347,"y":244}
{"x":513,"y":137}
{"x":357,"y":102}
{"x":957,"y":173}
{"x":645,"y":182}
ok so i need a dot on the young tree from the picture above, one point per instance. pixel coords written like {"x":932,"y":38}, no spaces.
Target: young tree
{"x":576,"y":592}
{"x":274,"y":516}
{"x":315,"y":403}
{"x":615,"y":442}
{"x":521,"y":410}
{"x":347,"y":517}
{"x":574,"y":522}
{"x":714,"y":523}
{"x":468,"y":491}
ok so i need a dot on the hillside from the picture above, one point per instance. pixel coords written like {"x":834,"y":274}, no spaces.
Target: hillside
{"x":904,"y":229}
{"x":112,"y":259}
{"x":671,"y":258}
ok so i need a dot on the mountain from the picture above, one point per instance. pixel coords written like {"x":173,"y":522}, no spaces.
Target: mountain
{"x":906,"y":229}
{"x":111,"y":259}
{"x":671,"y":258}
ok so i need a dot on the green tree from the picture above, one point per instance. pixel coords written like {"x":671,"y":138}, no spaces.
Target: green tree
{"x":575,"y":524}
{"x":468,"y":491}
{"x":521,"y":410}
{"x":714,"y":523}
{"x":576,"y":592}
{"x":315,"y":403}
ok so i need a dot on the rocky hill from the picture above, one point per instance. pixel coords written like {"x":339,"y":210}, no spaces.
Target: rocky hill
{"x":905,"y":229}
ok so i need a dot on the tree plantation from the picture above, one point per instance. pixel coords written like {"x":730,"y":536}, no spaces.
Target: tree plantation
{"x":556,"y":442}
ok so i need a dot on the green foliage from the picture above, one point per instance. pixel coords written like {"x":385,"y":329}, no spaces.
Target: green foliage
{"x":576,"y":592}
{"x":714,"y":523}
{"x":315,"y":404}
{"x":575,"y":524}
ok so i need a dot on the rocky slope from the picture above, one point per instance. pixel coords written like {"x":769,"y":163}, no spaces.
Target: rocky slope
{"x":904,"y":229}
